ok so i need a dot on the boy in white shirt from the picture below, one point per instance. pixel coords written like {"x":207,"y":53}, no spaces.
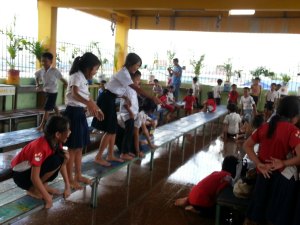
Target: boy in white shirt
{"x":217,"y":91}
{"x":232,"y":122}
{"x":49,"y":76}
{"x":271,"y":99}
{"x":196,"y":90}
{"x":247,"y":104}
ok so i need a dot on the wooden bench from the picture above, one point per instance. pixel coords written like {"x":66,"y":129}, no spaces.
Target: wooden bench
{"x":226,"y":198}
{"x":15,"y":204}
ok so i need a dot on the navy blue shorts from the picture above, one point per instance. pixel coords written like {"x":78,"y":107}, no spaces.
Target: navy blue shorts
{"x":50,"y":101}
{"x":53,"y":162}
{"x":80,"y":136}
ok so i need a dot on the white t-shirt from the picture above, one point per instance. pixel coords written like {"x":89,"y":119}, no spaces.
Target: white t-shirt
{"x":170,"y":98}
{"x":271,"y":96}
{"x":196,"y":89}
{"x":132,"y":96}
{"x":119,"y":82}
{"x":233,"y":120}
{"x":77,"y":79}
{"x":217,"y":91}
{"x":142,"y":117}
{"x":49,"y":78}
{"x":247,"y":103}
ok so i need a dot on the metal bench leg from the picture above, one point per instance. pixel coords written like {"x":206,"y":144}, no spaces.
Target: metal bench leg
{"x":10,"y":124}
{"x":218,"y":212}
{"x":203,"y":138}
{"x":182,"y":147}
{"x":128,"y":173}
{"x":151,"y":160}
{"x":94,"y":200}
{"x":195,"y":140}
{"x":170,"y":155}
{"x":211,"y":130}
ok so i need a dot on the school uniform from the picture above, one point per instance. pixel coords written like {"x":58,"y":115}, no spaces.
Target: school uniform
{"x":273,"y":198}
{"x":37,"y":153}
{"x":189,"y":102}
{"x":49,"y":79}
{"x":271,"y":97}
{"x":217,"y":94}
{"x":233,"y":120}
{"x":211,"y":105}
{"x":75,"y":111}
{"x":196,"y":92}
{"x":116,"y":87}
{"x":247,"y":104}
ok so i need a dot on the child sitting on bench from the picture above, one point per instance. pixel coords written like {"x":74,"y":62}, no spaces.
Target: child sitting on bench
{"x":209,"y":105}
{"x":40,"y":161}
{"x":202,"y":196}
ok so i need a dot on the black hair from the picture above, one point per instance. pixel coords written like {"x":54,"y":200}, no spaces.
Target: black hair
{"x":233,"y":85}
{"x":148,"y":105}
{"x":246,"y":88}
{"x":229,"y":164}
{"x":47,"y":55}
{"x":219,"y":81}
{"x":195,"y":79}
{"x":210,"y":95}
{"x":257,"y":78}
{"x":232,"y":107}
{"x":87,"y":61}
{"x":155,"y":80}
{"x":273,"y":84}
{"x":165,"y":91}
{"x":103,"y":81}
{"x":288,"y":108}
{"x":190,"y":91}
{"x":257,"y":121}
{"x":136,"y":74}
{"x":176,"y":60}
{"x":132,"y":59}
{"x":171,"y":86}
{"x":55,"y":124}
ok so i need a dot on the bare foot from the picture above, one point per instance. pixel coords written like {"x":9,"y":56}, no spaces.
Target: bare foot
{"x":40,"y":128}
{"x":191,"y":209}
{"x":141,"y":154}
{"x":51,"y":190}
{"x":131,"y":154}
{"x":126,"y":157}
{"x":34,"y":194}
{"x":113,"y":158}
{"x":181,"y":202}
{"x":84,"y":180}
{"x":102,"y":162}
{"x":75,"y":185}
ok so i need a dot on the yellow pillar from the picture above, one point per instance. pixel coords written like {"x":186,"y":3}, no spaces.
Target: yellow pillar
{"x":47,"y":25}
{"x":121,"y":43}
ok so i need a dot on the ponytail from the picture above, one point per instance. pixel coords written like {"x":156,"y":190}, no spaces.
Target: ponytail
{"x":272,"y":125}
{"x":75,"y":65}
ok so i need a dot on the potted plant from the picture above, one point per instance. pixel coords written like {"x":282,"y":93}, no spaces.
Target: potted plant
{"x":285,"y":84}
{"x":96,"y":46}
{"x":36,"y":48}
{"x":197,"y":65}
{"x":15,"y":44}
{"x":227,"y":68}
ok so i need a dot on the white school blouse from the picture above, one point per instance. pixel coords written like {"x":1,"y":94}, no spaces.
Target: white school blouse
{"x":119,"y":82}
{"x":77,"y":79}
{"x":132,"y":96}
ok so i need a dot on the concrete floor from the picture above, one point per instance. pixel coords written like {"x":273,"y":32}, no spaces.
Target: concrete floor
{"x":149,"y":200}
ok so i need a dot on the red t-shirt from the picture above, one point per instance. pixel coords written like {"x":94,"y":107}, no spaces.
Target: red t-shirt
{"x":189,"y":101}
{"x":284,"y":140}
{"x":211,"y":105}
{"x":233,"y":97}
{"x":204,"y":194}
{"x":35,"y":152}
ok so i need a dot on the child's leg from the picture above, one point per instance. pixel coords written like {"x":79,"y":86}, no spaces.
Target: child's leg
{"x":78,"y":174}
{"x":127,"y":140}
{"x":103,"y":144}
{"x":111,"y":144}
{"x":43,"y":122}
{"x":70,"y":165}
{"x":136,"y":140}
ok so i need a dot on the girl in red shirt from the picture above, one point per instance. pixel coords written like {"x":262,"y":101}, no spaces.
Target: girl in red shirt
{"x":276,"y":161}
{"x":210,"y":104}
{"x":40,"y":161}
{"x":168,"y":107}
{"x":202,"y":196}
{"x":189,"y":102}
{"x":233,"y":95}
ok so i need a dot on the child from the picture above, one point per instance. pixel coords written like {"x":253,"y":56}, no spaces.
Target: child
{"x":170,"y":108}
{"x":209,"y":105}
{"x":256,"y":89}
{"x":77,"y":100}
{"x":128,"y":115}
{"x":278,"y":155}
{"x":49,"y":76}
{"x":196,"y":91}
{"x":189,"y":102}
{"x":271,"y":99}
{"x":116,"y":87}
{"x":202,"y":197}
{"x":101,"y":87}
{"x":157,"y":89}
{"x":40,"y":161}
{"x":248,"y":105}
{"x":233,"y":95}
{"x":232,"y":122}
{"x":217,"y":92}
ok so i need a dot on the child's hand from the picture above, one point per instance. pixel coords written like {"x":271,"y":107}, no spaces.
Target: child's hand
{"x":94,"y":110}
{"x":265,"y":169}
{"x":66,"y":155}
{"x":127,"y":101}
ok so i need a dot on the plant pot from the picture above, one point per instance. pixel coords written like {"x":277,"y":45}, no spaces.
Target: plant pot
{"x":226,"y":86}
{"x":13,"y":77}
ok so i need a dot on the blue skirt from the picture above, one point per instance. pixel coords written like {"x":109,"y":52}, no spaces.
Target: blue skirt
{"x":80,"y":136}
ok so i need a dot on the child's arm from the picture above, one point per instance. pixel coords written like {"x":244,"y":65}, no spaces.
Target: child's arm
{"x":90,"y":104}
{"x":145,"y":94}
{"x":127,"y":107}
{"x":38,"y":184}
{"x":146,"y":133}
{"x":254,"y":109}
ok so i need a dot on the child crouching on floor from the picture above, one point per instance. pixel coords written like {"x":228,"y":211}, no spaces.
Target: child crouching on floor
{"x":202,"y":197}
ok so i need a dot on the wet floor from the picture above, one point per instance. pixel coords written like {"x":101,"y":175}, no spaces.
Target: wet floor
{"x":149,"y":199}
